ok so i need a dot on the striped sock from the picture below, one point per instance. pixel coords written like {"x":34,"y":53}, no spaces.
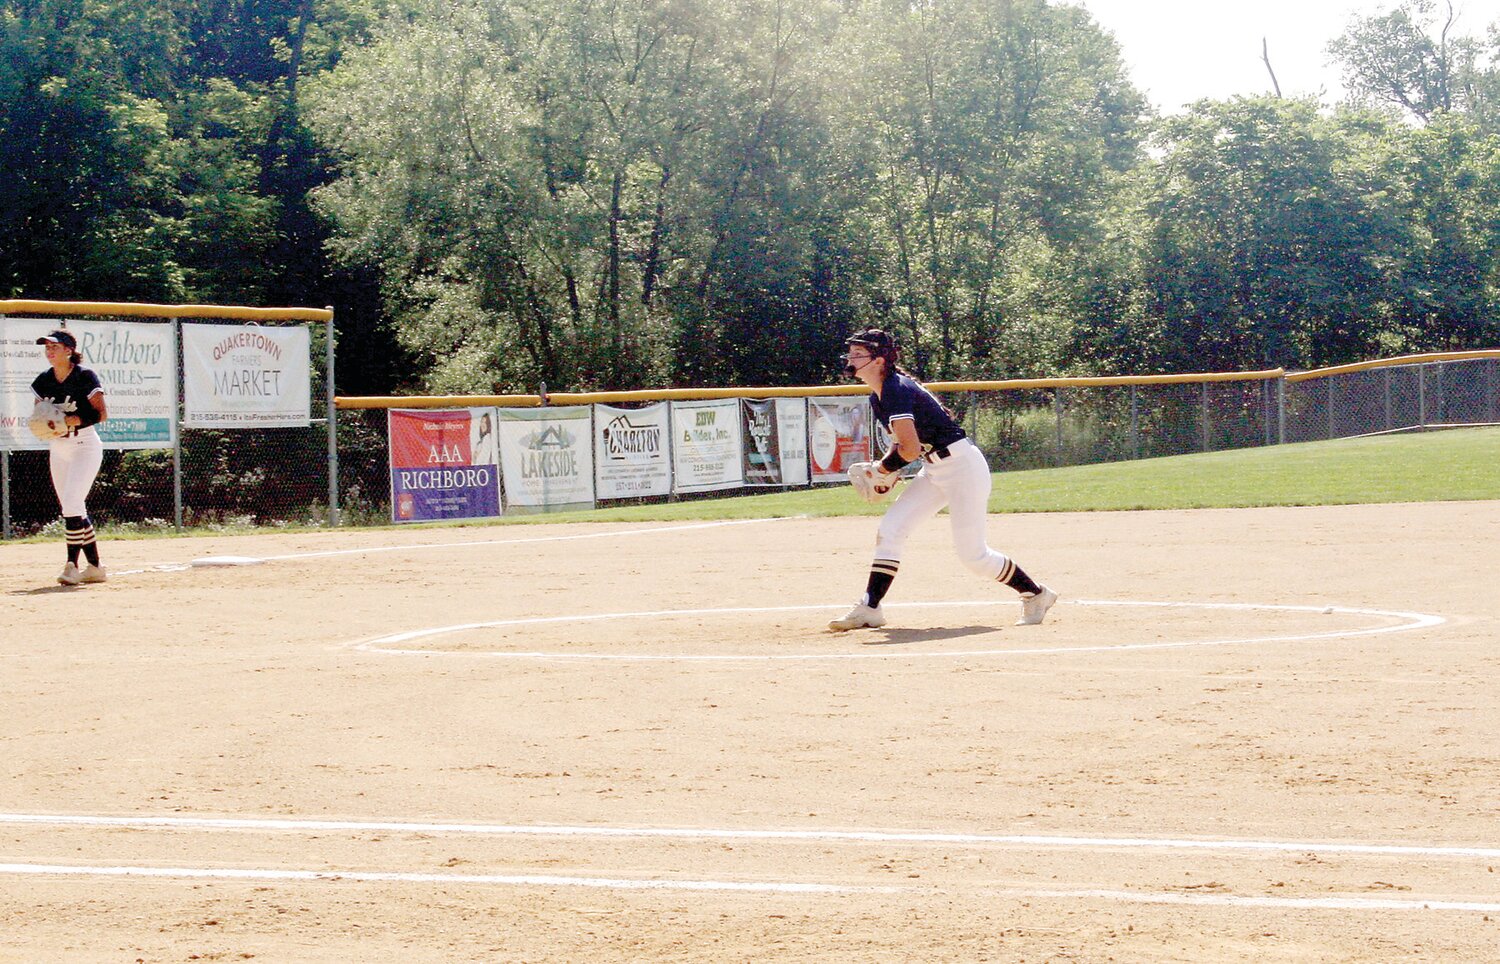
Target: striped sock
{"x":882,"y":574}
{"x":1015,"y":577}
{"x":80,"y":534}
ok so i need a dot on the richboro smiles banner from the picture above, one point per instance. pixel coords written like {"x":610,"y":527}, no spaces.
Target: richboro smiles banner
{"x":245,"y":376}
{"x":136,"y":364}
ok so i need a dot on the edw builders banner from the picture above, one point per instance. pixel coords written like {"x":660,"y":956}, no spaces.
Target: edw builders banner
{"x":435,"y":473}
{"x":707,"y":445}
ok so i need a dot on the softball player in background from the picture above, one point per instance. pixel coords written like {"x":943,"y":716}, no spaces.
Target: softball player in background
{"x":75,"y":458}
{"x":956,"y":475}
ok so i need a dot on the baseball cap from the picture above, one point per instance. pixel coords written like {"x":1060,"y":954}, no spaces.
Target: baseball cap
{"x":59,"y":338}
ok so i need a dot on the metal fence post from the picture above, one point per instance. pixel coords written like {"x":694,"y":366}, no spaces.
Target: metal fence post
{"x":1387,"y":373}
{"x":333,"y":434}
{"x":1422,"y":395}
{"x":1204,"y":417}
{"x":5,"y":493}
{"x":177,"y":425}
{"x":1330,"y":407}
{"x":1281,"y":410}
{"x":1135,"y":424}
{"x":1057,"y":407}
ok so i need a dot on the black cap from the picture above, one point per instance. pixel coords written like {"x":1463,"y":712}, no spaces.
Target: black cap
{"x":59,"y":338}
{"x":874,"y":339}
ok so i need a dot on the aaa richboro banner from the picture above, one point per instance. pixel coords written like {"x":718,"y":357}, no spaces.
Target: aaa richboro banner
{"x":136,"y":364}
{"x":775,"y":441}
{"x":245,"y":376}
{"x":630,"y":452}
{"x":838,"y":437}
{"x":547,"y":456}
{"x":443,"y":464}
{"x":707,"y":445}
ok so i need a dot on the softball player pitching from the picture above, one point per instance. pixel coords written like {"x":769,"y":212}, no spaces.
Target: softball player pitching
{"x":75,"y":455}
{"x":955,"y":475}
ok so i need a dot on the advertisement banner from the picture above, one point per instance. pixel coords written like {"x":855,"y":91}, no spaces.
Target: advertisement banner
{"x":838,"y":436}
{"x":246,"y":376}
{"x":630,"y":452}
{"x":791,"y":429}
{"x":136,"y":363}
{"x":707,"y":445}
{"x":443,"y":464}
{"x":775,"y":441}
{"x":547,"y":458}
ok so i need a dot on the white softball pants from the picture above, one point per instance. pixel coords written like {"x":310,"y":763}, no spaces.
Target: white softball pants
{"x":75,"y":462}
{"x":961,"y":482}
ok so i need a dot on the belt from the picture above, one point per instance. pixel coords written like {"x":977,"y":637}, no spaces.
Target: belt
{"x":939,"y":453}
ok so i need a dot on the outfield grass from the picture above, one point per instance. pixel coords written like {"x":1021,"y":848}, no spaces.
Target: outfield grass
{"x":1452,"y":465}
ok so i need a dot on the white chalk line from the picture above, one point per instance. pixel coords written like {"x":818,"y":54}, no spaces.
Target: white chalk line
{"x":770,"y":887}
{"x":1043,"y":841}
{"x":572,"y":537}
{"x":366,"y":876}
{"x":387,"y":644}
{"x":1027,"y":841}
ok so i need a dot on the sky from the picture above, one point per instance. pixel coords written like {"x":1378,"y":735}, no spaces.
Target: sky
{"x":1179,"y":51}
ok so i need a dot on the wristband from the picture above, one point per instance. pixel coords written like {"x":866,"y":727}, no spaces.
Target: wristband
{"x":893,"y":462}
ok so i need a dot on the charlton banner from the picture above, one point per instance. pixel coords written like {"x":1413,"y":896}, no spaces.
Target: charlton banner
{"x":443,"y":464}
{"x":631,"y":451}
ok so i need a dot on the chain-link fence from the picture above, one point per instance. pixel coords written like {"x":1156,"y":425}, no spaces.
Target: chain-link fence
{"x":214,"y":478}
{"x":280,"y":476}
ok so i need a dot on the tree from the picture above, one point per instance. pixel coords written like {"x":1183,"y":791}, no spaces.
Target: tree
{"x":1411,"y":58}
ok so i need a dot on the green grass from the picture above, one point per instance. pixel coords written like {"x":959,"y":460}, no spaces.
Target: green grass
{"x":1454,"y":465}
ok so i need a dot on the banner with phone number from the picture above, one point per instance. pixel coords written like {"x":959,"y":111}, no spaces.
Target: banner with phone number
{"x":443,"y":465}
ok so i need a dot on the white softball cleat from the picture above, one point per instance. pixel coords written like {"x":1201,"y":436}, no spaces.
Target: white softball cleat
{"x":860,"y":617}
{"x":93,"y":574}
{"x":70,"y":576}
{"x":1034,"y":607}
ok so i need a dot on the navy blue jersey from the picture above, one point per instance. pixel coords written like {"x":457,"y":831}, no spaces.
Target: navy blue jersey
{"x":72,"y":394}
{"x":904,"y":397}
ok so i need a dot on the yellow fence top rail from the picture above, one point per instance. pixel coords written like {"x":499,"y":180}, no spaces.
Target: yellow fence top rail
{"x":1393,"y":362}
{"x":96,"y":308}
{"x":693,"y":394}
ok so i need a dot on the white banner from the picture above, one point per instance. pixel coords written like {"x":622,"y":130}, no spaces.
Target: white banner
{"x":839,"y":436}
{"x":137,"y":366}
{"x":791,"y":428}
{"x":631,"y":451}
{"x":246,"y":376}
{"x":547,"y":458}
{"x":707,"y":445}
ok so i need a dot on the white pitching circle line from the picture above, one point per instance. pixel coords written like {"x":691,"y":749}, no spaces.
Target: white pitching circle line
{"x":388,"y":644}
{"x":719,"y":833}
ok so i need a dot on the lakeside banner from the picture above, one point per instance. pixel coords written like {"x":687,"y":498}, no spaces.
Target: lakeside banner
{"x":707,"y":445}
{"x":136,"y":363}
{"x":838,"y":437}
{"x":775,"y":432}
{"x":246,"y":376}
{"x":631,"y":448}
{"x":442,"y":464}
{"x":547,"y":458}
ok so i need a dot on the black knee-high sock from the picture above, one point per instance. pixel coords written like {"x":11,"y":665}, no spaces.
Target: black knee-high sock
{"x":76,"y":526}
{"x":1015,"y":577}
{"x":81,"y":539}
{"x":882,"y":573}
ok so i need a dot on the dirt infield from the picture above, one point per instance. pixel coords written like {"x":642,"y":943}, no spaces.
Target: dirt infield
{"x":1243,"y":735}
